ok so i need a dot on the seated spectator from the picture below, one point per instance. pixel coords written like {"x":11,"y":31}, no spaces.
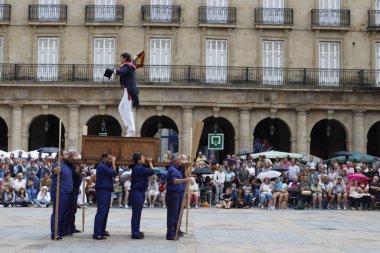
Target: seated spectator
{"x":316,"y":193}
{"x":226,"y":199}
{"x":9,"y":197}
{"x":230,"y":177}
{"x":32,"y":187}
{"x":327,"y":191}
{"x":312,"y":176}
{"x":279,"y":192}
{"x":194,"y":192}
{"x":43,"y":197}
{"x":360,"y":196}
{"x":7,"y":181}
{"x":117,"y":191}
{"x":90,"y":189}
{"x":339,"y":191}
{"x":256,"y":183}
{"x":22,"y":198}
{"x":266,"y":191}
{"x":239,"y":202}
{"x":374,"y":189}
{"x":305,"y":193}
{"x":152,"y":191}
{"x":127,"y":188}
{"x":19,"y":183}
{"x":162,"y":190}
{"x":45,"y":181}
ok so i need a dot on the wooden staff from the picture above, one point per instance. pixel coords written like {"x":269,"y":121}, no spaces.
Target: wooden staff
{"x":58,"y":182}
{"x":194,"y":147}
{"x":83,"y":195}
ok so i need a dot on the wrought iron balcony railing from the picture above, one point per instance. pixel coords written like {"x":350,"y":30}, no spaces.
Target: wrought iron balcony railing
{"x":104,"y":13}
{"x":373,"y":20}
{"x":274,"y":16}
{"x":5,"y":12}
{"x":161,"y":14}
{"x":331,"y":18}
{"x":198,"y":75}
{"x":47,"y":13}
{"x":216,"y":15}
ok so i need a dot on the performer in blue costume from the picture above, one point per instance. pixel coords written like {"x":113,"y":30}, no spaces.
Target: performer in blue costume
{"x":139,"y":185}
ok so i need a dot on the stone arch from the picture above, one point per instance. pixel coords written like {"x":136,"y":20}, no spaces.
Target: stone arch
{"x":44,"y":132}
{"x":272,"y":133}
{"x":105,"y":125}
{"x":373,"y":139}
{"x":327,"y":137}
{"x":3,"y":135}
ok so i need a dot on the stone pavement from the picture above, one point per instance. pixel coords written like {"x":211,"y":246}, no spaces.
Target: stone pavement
{"x":210,"y":230}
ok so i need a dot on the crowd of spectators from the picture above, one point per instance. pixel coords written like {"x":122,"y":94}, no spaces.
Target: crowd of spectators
{"x":25,"y":181}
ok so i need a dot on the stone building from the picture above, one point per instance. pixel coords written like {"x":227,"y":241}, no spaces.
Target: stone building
{"x":303,"y":76}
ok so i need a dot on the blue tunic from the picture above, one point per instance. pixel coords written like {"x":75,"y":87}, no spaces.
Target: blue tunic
{"x":139,"y":178}
{"x":104,"y":175}
{"x":173,"y":174}
{"x":66,"y":182}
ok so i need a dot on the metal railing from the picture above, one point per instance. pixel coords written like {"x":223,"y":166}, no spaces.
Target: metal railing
{"x":48,"y":13}
{"x":332,"y":18}
{"x":216,"y":15}
{"x":160,"y":13}
{"x":198,"y":75}
{"x":104,"y":13}
{"x":274,"y":16}
{"x":373,"y":19}
{"x":5,"y":12}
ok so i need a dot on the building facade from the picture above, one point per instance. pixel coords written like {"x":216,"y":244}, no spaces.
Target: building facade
{"x":300,"y":76}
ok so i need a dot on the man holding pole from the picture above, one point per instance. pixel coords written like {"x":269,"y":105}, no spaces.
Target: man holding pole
{"x":175,"y":188}
{"x":139,"y":185}
{"x":105,"y":171}
{"x":62,"y":170}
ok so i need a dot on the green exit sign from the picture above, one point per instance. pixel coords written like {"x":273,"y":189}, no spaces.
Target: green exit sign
{"x":216,"y":141}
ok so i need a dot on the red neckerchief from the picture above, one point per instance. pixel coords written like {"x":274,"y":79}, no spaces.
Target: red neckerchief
{"x":133,"y":66}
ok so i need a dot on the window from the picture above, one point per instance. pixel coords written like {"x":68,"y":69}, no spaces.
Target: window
{"x":273,"y":62}
{"x":273,"y":11}
{"x":47,"y":58}
{"x":49,"y":10}
{"x":377,"y":64}
{"x":104,"y":56}
{"x":1,"y":57}
{"x":105,"y":10}
{"x":377,"y":14}
{"x":329,"y":63}
{"x":160,"y":60}
{"x":216,"y":61}
{"x":161,"y":10}
{"x":329,"y":12}
{"x":2,"y":10}
{"x":217,"y":11}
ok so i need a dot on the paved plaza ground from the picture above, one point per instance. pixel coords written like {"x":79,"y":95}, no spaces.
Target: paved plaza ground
{"x":210,"y":230}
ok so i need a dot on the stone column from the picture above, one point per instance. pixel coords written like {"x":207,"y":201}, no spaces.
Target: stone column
{"x":358,"y":136}
{"x":16,"y":132}
{"x":187,"y":126}
{"x":301,"y":135}
{"x":73,"y":132}
{"x":244,"y":133}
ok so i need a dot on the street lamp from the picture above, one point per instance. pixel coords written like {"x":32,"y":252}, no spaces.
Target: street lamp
{"x":216,"y":127}
{"x":46,"y":126}
{"x":103,"y":129}
{"x":328,"y":129}
{"x":272,"y":129}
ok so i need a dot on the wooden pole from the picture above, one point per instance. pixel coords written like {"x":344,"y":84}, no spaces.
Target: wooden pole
{"x":194,"y":147}
{"x":83,"y":195}
{"x":58,"y":182}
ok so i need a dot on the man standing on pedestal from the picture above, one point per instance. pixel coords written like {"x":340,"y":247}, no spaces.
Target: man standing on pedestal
{"x":131,"y":94}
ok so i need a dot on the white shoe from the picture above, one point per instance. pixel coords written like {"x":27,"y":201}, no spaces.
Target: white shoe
{"x":196,"y":206}
{"x":126,"y":207}
{"x":338,"y":207}
{"x":344,"y":207}
{"x":163,"y":206}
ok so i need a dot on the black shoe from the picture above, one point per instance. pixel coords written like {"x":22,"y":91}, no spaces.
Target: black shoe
{"x":100,"y":237}
{"x":140,"y":236}
{"x":170,"y":238}
{"x":76,"y":231}
{"x":106,"y":233}
{"x":141,"y":233}
{"x":58,"y":238}
{"x":180,"y":233}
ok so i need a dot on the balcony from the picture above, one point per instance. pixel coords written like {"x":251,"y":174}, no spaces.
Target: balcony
{"x":160,"y":15}
{"x":249,"y":77}
{"x":47,"y":14}
{"x":209,"y":16}
{"x":105,"y":15}
{"x":274,"y":18}
{"x":5,"y":14}
{"x":330,"y":19}
{"x":373,"y":21}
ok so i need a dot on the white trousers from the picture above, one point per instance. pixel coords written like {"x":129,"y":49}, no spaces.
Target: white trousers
{"x":126,"y":113}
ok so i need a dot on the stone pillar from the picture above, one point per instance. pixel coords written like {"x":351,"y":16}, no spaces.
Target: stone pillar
{"x":16,"y":132}
{"x":187,"y":127}
{"x":301,"y":135}
{"x":73,"y":127}
{"x":358,"y":136}
{"x":244,"y":133}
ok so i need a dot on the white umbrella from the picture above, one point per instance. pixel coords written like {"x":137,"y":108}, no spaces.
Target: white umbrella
{"x":269,"y":174}
{"x":4,"y":153}
{"x":15,"y":152}
{"x":306,"y":158}
{"x":274,"y":154}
